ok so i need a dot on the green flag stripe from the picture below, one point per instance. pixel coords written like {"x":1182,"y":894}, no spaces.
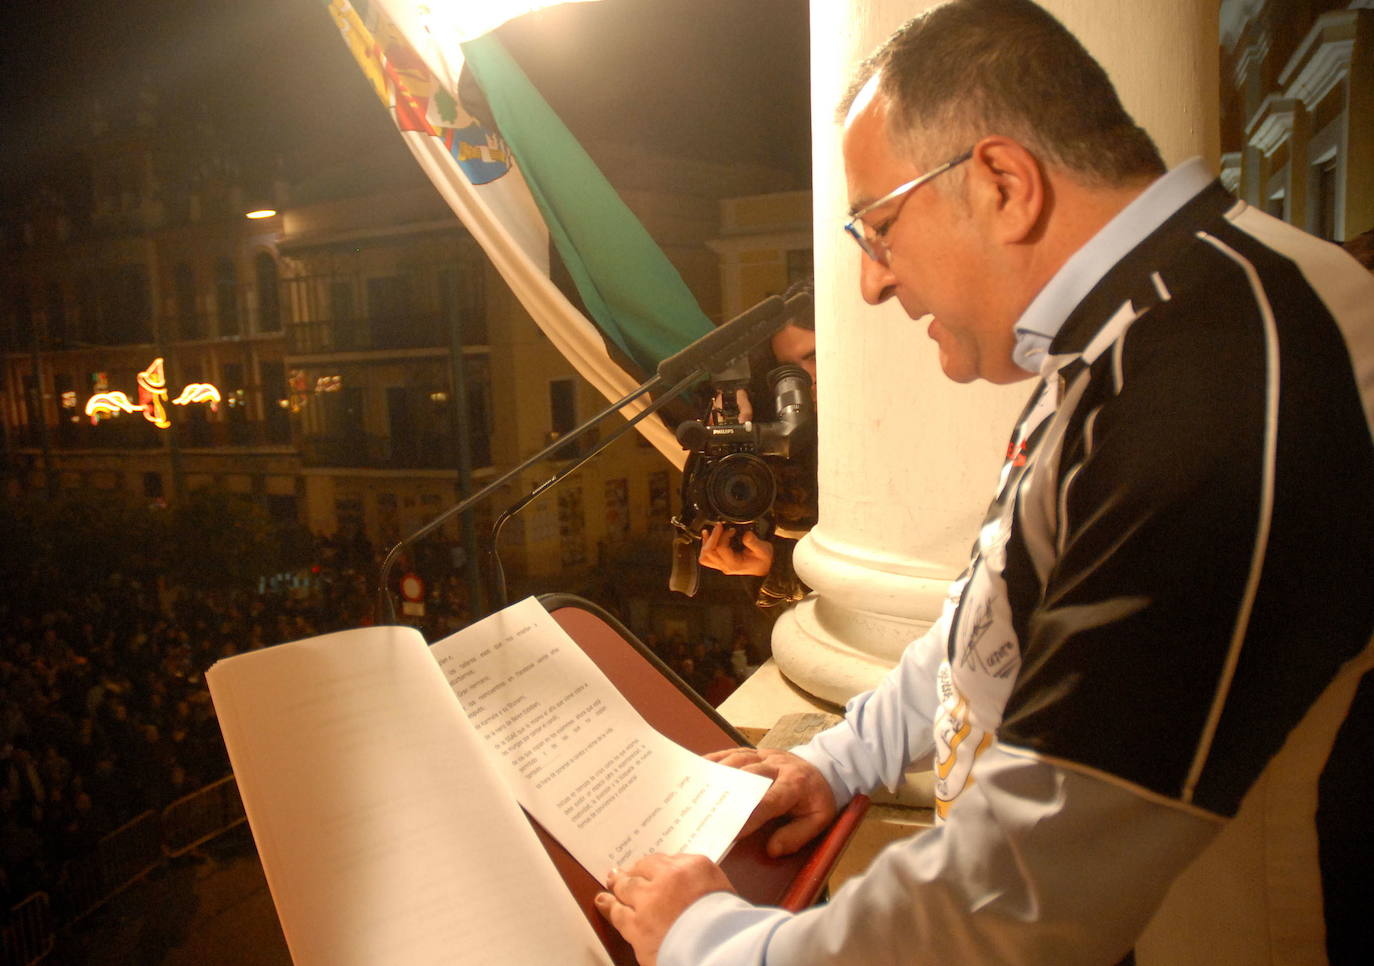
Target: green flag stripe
{"x":634,"y":294}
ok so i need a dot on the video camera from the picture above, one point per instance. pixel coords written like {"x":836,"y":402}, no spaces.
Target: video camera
{"x":728,"y":477}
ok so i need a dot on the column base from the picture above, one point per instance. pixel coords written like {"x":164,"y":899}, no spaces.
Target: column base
{"x":809,"y":646}
{"x":766,"y":696}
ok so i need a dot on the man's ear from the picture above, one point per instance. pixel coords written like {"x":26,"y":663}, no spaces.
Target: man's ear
{"x":1013,"y":188}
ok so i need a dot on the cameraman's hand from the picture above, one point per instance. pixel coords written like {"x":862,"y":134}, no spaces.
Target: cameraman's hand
{"x":743,"y":403}
{"x":799,"y":791}
{"x":718,"y":552}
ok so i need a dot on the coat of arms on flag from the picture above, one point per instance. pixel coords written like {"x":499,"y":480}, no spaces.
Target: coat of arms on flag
{"x":518,"y":179}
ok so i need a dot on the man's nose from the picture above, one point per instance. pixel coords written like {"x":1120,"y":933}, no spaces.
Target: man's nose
{"x":876,"y":281}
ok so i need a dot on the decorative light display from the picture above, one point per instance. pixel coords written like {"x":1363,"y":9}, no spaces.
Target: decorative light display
{"x":152,"y":394}
{"x":152,"y":398}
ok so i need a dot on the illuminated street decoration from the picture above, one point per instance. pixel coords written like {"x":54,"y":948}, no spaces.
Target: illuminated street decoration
{"x":152,"y":393}
{"x":108,"y":404}
{"x":199,"y":392}
{"x":299,"y":388}
{"x":152,"y":398}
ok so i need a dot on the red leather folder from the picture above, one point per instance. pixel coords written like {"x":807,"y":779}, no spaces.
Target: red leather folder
{"x":792,"y":882}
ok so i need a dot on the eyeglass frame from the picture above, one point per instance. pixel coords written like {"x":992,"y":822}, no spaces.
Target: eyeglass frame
{"x":873,"y":249}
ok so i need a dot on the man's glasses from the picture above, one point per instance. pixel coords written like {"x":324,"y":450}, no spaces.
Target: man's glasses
{"x":873,"y":240}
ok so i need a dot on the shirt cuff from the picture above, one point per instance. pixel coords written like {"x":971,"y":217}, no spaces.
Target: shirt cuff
{"x":720,"y":927}
{"x":826,"y":766}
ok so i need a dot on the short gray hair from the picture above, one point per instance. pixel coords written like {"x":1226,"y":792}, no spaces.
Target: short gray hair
{"x":971,"y":68}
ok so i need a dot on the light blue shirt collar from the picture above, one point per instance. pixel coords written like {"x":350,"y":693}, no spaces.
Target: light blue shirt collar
{"x":1041,"y":321}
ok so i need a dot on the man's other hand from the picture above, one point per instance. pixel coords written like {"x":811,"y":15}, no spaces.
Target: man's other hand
{"x":718,"y":552}
{"x":799,"y":791}
{"x":646,"y":899}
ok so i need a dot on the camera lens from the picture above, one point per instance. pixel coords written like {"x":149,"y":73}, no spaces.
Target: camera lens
{"x":740,"y":488}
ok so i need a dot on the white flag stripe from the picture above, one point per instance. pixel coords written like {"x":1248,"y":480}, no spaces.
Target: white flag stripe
{"x":500,"y":214}
{"x":571,"y":333}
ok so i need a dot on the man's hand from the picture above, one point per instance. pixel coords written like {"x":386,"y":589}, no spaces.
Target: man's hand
{"x":646,"y":899}
{"x":798,"y":790}
{"x":756,"y":559}
{"x":743,"y":403}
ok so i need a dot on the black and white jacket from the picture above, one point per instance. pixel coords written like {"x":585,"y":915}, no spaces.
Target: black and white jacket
{"x":1134,"y":694}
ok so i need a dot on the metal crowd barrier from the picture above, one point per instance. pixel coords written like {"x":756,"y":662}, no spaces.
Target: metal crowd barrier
{"x":119,"y":860}
{"x":201,"y":816}
{"x":28,"y":934}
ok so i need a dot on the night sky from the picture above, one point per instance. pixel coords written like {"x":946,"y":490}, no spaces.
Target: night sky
{"x":703,"y":78}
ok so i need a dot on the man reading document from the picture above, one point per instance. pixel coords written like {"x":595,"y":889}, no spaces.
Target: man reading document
{"x":1174,"y":570}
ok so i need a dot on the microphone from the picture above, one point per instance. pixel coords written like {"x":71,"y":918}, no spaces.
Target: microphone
{"x":727,"y":342}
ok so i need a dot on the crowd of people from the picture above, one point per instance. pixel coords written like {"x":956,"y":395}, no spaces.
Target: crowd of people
{"x":104,"y":716}
{"x":711,"y":667}
{"x":104,"y":712}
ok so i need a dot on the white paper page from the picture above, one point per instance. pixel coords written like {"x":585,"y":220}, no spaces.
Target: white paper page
{"x":578,"y":755}
{"x":386,"y":834}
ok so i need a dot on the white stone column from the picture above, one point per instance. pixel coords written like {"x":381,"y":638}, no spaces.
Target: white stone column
{"x":908,"y":458}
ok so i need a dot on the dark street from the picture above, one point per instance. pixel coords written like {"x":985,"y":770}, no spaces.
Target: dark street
{"x":212,"y":909}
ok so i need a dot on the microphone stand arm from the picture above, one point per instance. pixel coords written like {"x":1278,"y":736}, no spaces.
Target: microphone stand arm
{"x":681,"y":369}
{"x":498,"y":581}
{"x":388,"y":606}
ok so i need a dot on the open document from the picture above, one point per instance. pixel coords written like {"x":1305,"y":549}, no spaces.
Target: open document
{"x":578,"y":756}
{"x":388,"y":820}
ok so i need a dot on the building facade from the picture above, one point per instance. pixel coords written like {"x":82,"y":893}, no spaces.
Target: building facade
{"x":352,"y":362}
{"x":414,"y":377}
{"x":1298,"y":111}
{"x":132,"y":277}
{"x":764,"y":246}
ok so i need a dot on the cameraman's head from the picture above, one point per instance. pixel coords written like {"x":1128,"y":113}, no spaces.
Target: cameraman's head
{"x":751,"y":473}
{"x":793,"y":343}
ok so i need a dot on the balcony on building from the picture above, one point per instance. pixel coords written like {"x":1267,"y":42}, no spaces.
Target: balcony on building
{"x":386,"y":334}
